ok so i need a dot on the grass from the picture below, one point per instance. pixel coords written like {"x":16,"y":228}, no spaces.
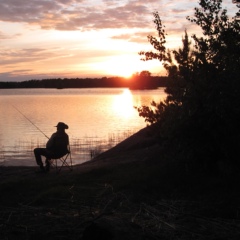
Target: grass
{"x":82,"y":149}
{"x":133,"y":200}
{"x":134,"y":191}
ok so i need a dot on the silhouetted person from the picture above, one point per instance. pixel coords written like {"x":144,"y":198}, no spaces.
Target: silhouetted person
{"x":56,"y":147}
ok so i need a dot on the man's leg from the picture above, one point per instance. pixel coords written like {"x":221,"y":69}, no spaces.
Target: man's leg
{"x":47,"y":161}
{"x":39,"y":152}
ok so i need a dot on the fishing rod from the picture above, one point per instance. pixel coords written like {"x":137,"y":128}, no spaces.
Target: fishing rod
{"x":31,"y":122}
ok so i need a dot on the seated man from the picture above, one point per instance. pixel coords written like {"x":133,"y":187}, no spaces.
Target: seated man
{"x":56,"y":147}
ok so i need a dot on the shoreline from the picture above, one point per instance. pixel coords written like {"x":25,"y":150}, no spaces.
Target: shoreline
{"x":126,"y":193}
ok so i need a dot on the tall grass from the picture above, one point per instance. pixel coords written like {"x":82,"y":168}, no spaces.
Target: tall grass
{"x":82,"y":149}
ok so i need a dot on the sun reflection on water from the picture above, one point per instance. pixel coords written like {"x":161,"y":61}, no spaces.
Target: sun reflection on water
{"x":123,"y":104}
{"x":98,"y":119}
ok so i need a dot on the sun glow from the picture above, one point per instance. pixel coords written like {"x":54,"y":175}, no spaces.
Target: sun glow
{"x":119,"y":66}
{"x":123,"y":104}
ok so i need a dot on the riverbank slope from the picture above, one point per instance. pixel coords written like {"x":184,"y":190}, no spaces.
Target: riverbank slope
{"x":133,"y":191}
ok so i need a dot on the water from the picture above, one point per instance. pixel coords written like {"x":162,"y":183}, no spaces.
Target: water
{"x":98,"y":119}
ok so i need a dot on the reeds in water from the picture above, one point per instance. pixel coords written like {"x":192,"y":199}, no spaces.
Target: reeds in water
{"x":82,"y":149}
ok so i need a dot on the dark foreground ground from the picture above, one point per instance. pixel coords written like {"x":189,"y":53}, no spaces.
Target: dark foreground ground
{"x":129,"y":192}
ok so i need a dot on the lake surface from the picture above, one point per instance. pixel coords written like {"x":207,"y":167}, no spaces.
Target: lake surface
{"x":98,"y":119}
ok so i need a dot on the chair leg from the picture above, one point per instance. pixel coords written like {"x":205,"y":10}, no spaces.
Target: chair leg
{"x":65,"y":163}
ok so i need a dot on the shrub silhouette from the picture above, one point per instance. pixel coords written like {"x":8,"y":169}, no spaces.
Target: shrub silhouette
{"x":201,"y":113}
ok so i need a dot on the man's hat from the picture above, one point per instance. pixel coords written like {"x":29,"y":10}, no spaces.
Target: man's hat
{"x":62,"y":125}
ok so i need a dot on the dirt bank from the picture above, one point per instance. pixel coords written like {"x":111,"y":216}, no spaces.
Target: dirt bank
{"x":124,"y":193}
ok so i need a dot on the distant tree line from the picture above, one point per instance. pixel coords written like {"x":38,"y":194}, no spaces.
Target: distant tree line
{"x":144,"y":80}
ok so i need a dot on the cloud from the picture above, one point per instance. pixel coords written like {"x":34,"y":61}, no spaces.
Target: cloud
{"x":76,"y":14}
{"x":137,"y":37}
{"x":30,"y":74}
{"x":26,"y":74}
{"x":18,"y":75}
{"x":91,"y":15}
{"x":27,"y":55}
{"x":65,"y":37}
{"x":4,"y":36}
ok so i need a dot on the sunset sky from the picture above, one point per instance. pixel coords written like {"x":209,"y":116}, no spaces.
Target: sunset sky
{"x":84,"y":38}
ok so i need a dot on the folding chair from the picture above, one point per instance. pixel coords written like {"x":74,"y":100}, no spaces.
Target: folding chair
{"x":65,"y":160}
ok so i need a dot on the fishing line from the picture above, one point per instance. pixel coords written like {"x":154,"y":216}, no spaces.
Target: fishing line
{"x":31,"y":122}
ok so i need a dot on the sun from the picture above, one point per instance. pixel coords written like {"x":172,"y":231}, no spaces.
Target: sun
{"x":120,"y":66}
{"x":124,"y":65}
{"x":127,"y":65}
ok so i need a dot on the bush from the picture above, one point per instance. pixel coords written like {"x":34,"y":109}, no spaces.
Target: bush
{"x":202,"y":110}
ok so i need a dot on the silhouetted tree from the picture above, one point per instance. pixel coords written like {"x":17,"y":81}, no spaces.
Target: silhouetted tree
{"x":145,"y":74}
{"x":202,"y":110}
